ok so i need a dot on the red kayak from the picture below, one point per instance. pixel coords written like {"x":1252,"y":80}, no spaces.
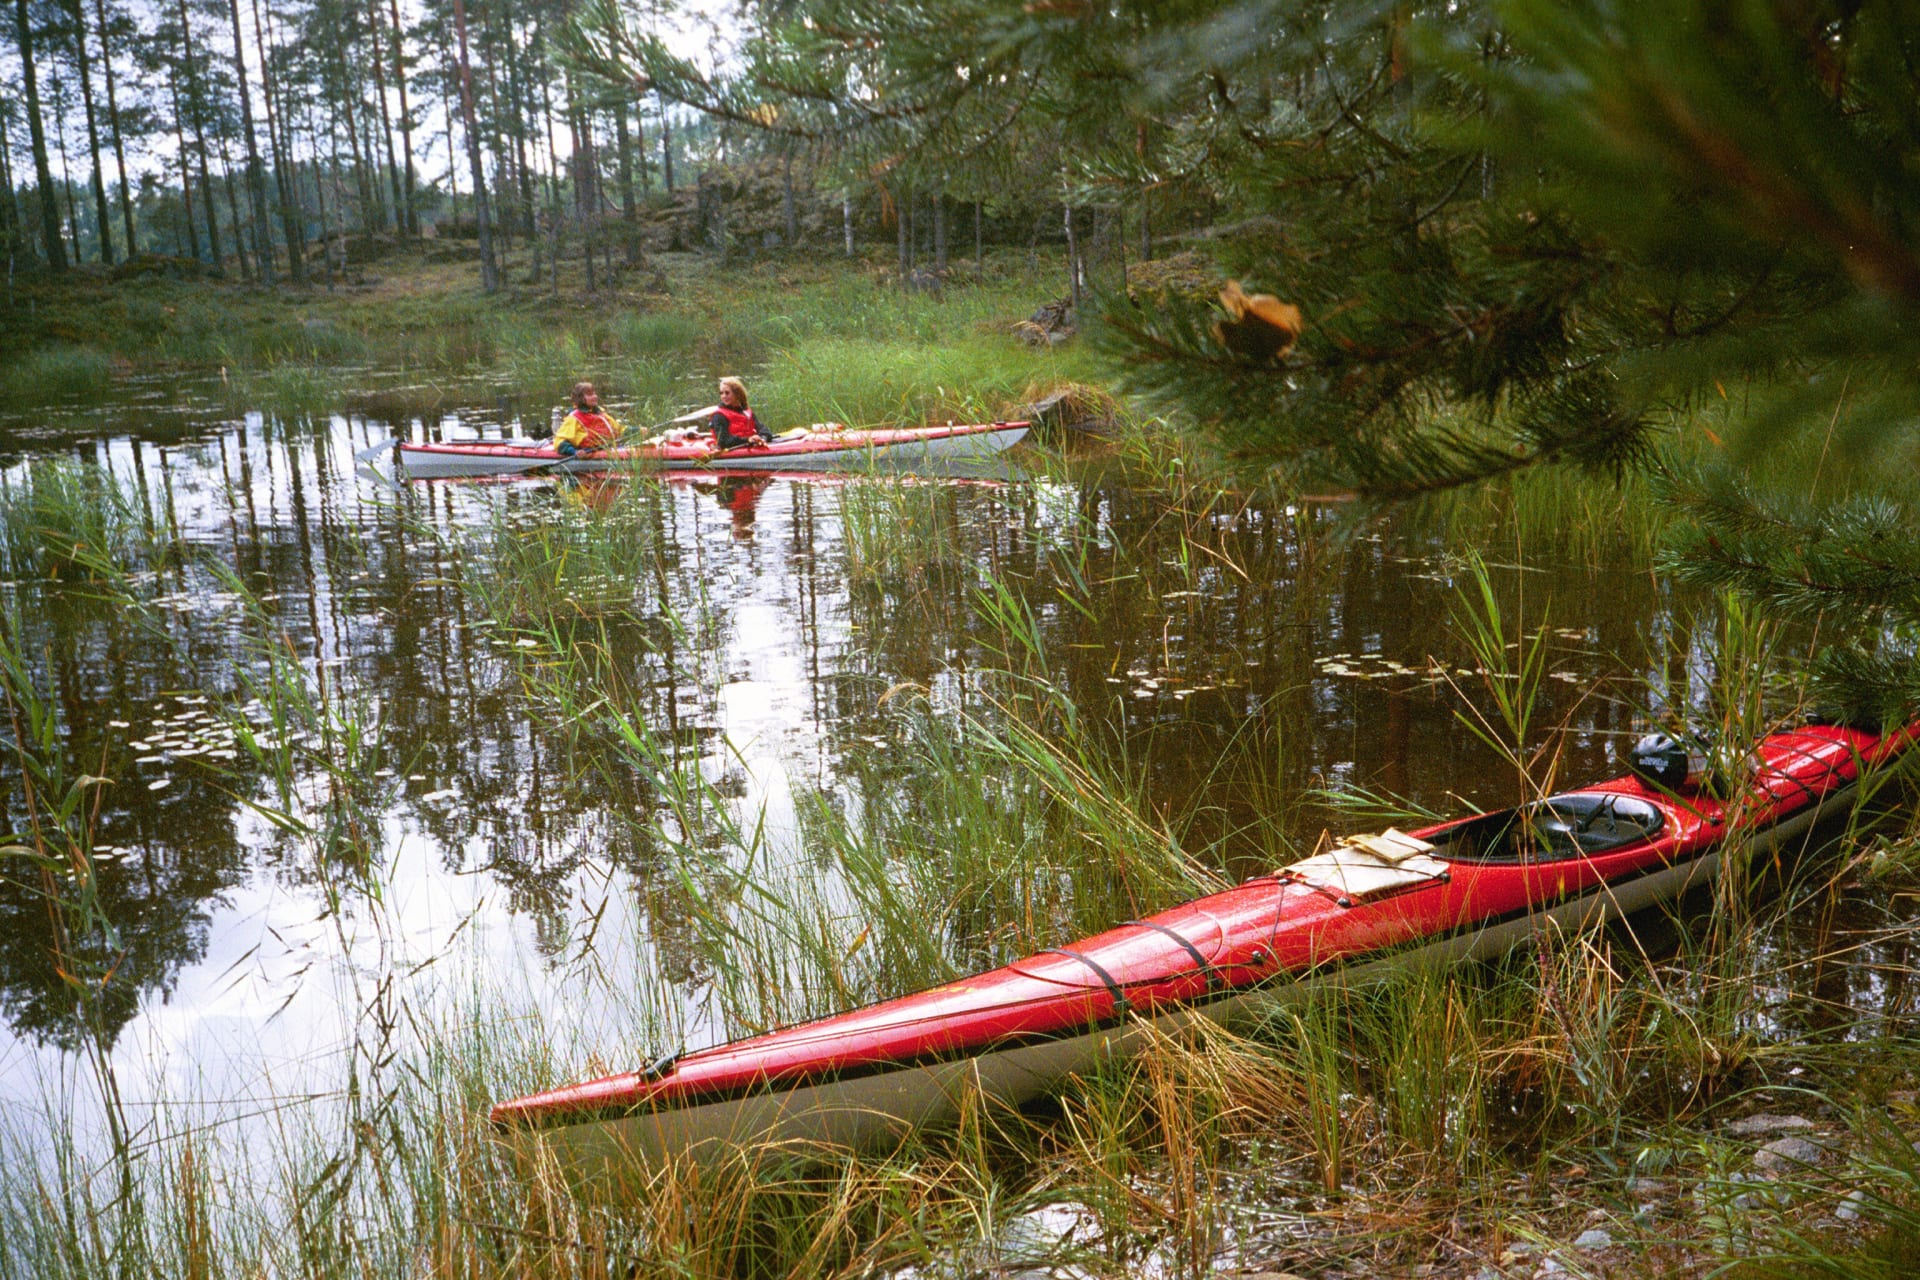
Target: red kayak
{"x":1469,"y":888}
{"x":823,"y":447}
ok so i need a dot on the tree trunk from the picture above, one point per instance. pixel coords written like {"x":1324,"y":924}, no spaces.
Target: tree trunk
{"x":406,"y":116}
{"x":846,"y":220}
{"x":580,"y":136}
{"x":640,"y":147}
{"x":1073,"y":258}
{"x":292,"y":225}
{"x":192,"y":239}
{"x":453,"y":163}
{"x":520,"y":178}
{"x":940,"y":232}
{"x":379,"y":216}
{"x":66,"y":168}
{"x":979,"y":246}
{"x":666,"y":145}
{"x":554,"y":215}
{"x":83,"y":61}
{"x":42,"y":171}
{"x":233,"y":211}
{"x":903,"y":245}
{"x":113,"y":124}
{"x":494,"y":43}
{"x":629,"y":211}
{"x":395,"y":221}
{"x":362,"y":181}
{"x":1146,"y":196}
{"x":196,"y":89}
{"x":10,"y":215}
{"x":489,"y":273}
{"x":788,"y":213}
{"x":366,"y":156}
{"x":256,"y":176}
{"x":196,"y":107}
{"x":320,"y":198}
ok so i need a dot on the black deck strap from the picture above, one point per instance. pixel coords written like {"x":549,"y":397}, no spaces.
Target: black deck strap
{"x":1120,"y":1001}
{"x":1200,"y":962}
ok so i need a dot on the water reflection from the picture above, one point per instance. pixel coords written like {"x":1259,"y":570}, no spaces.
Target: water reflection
{"x":760,"y":624}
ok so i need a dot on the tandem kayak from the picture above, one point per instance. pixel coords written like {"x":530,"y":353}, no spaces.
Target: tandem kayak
{"x":1470,"y":888}
{"x":826,"y":447}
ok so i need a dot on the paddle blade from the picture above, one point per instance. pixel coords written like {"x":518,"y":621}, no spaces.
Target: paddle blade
{"x":367,"y":456}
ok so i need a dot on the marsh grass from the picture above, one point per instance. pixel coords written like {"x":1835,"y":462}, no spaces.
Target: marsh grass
{"x":896,"y":526}
{"x":68,"y":521}
{"x":58,"y":375}
{"x":874,"y":382}
{"x":289,"y":388}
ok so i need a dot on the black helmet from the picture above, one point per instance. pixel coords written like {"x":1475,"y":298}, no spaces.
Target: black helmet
{"x":1662,"y":760}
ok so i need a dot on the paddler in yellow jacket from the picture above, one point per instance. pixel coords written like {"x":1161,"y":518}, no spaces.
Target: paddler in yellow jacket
{"x":732,"y":423}
{"x":586,"y":428}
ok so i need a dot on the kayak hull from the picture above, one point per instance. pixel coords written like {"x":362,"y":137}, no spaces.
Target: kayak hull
{"x":869,"y":1077}
{"x":894,"y":448}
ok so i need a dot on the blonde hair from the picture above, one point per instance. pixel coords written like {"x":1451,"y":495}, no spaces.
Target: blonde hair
{"x":736,"y":385}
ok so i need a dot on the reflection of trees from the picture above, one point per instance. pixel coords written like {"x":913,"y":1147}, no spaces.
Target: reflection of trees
{"x":1185,"y":630}
{"x":180,"y":846}
{"x":158,"y":897}
{"x":1190,"y":636}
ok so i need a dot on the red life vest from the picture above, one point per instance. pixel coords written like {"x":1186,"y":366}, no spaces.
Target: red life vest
{"x":742,"y":426}
{"x":596,"y":432}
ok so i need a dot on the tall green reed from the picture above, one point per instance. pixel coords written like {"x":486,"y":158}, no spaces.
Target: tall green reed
{"x":58,"y":808}
{"x":1512,"y":665}
{"x":67,"y":521}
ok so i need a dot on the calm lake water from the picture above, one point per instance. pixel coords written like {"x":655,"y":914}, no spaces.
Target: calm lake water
{"x":772,"y":630}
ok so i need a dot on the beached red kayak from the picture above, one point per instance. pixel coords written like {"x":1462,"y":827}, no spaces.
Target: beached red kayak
{"x":824,"y":447}
{"x":1468,"y":888}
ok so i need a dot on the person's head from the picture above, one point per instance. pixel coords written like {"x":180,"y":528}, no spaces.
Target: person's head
{"x":733,"y":393}
{"x":584,"y":395}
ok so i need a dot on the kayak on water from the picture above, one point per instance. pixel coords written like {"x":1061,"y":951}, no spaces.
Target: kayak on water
{"x":823,"y":447}
{"x":1470,"y":888}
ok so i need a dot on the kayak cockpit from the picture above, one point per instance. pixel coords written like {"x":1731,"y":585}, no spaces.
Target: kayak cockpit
{"x":1562,"y":827}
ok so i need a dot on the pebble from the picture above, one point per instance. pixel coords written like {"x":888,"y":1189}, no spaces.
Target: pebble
{"x":1849,"y":1208}
{"x":1752,"y":1126}
{"x":1785,"y":1155}
{"x":1594,"y":1238}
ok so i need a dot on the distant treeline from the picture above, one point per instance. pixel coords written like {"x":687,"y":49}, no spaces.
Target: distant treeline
{"x":271,"y":141}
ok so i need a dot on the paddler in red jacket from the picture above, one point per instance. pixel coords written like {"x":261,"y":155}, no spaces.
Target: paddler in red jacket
{"x":732,"y":423}
{"x":586,"y":427}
